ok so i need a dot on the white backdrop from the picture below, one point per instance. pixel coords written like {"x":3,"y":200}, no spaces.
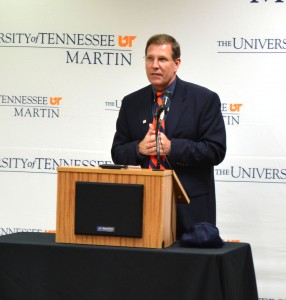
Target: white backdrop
{"x":66,"y":65}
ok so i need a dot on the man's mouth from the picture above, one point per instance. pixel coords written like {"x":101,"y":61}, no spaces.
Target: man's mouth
{"x":156,"y":74}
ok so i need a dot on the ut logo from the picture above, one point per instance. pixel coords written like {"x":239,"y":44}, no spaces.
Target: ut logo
{"x":235,"y":107}
{"x":55,"y":100}
{"x":126,"y":41}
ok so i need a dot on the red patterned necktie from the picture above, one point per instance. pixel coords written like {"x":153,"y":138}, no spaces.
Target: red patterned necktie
{"x":153,"y":163}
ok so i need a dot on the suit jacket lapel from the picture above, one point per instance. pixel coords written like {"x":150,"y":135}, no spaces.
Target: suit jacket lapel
{"x":177,"y":108}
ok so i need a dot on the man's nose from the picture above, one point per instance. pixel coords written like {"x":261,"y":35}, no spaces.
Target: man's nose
{"x":155,"y":63}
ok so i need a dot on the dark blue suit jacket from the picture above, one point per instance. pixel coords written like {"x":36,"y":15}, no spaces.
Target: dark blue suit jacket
{"x":196,"y":129}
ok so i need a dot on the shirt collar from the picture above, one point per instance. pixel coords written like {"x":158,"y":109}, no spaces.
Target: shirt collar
{"x":170,"y":88}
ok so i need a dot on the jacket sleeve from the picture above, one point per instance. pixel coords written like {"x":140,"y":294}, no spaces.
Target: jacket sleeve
{"x":203,"y":142}
{"x":124,"y":148}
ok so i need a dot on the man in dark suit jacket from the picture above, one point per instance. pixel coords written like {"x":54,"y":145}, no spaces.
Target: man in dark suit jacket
{"x":194,"y":140}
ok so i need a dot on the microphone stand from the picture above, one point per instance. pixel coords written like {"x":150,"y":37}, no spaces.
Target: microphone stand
{"x":163,"y":108}
{"x":157,"y":143}
{"x":157,"y":117}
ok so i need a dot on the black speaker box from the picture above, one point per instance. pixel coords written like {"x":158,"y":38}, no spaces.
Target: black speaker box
{"x":110,"y":209}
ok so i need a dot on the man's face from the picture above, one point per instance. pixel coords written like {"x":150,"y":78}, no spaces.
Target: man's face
{"x":160,"y":67}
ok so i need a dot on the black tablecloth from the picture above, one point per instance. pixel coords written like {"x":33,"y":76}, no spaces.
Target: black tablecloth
{"x":33,"y":266}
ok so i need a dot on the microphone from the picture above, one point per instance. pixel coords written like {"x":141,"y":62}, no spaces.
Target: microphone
{"x":166,"y":101}
{"x":165,"y":107}
{"x":159,"y":111}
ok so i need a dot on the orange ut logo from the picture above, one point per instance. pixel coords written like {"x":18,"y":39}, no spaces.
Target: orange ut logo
{"x":55,"y":100}
{"x":235,"y":107}
{"x":126,"y":41}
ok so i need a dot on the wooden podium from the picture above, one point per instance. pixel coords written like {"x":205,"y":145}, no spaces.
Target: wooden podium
{"x":162,"y":190}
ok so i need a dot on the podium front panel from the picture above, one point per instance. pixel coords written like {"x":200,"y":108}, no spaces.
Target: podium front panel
{"x":159,"y":209}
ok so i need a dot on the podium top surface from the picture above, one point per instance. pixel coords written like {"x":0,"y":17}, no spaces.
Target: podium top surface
{"x":182,"y":195}
{"x":127,"y":171}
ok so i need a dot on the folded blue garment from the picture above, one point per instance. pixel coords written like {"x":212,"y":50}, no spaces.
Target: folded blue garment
{"x":202,"y":235}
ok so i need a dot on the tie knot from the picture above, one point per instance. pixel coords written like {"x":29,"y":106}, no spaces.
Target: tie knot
{"x":159,"y":99}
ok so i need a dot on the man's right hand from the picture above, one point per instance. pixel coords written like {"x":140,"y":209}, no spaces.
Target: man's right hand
{"x":148,"y":145}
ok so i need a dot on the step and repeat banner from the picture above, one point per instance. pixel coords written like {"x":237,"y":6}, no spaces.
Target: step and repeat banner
{"x":66,"y":65}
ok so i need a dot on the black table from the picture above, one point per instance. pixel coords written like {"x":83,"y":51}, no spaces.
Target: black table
{"x":33,"y":266}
